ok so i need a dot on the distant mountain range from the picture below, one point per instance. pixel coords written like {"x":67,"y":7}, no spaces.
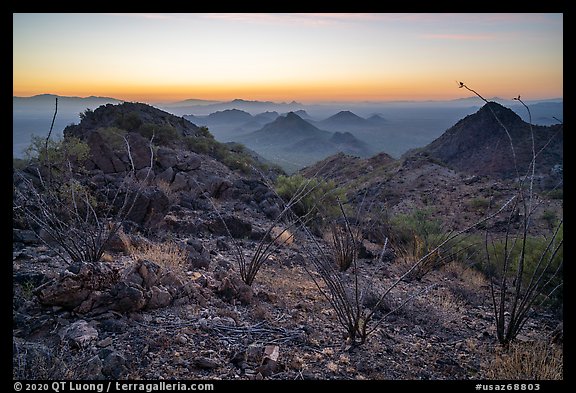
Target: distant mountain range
{"x":253,"y":107}
{"x":391,"y":127}
{"x":292,"y":142}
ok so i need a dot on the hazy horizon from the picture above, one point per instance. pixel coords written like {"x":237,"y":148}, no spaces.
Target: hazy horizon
{"x":308,"y":58}
{"x":470,"y":96}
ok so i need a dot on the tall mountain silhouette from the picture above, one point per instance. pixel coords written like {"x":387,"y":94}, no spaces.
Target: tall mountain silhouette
{"x":293,"y":142}
{"x":479,"y":144}
{"x":344,"y":120}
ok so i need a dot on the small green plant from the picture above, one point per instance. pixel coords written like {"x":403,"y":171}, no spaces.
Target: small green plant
{"x":113,"y":136}
{"x":58,"y":151}
{"x":320,"y":200}
{"x":557,"y":193}
{"x":28,"y":288}
{"x":163,"y":134}
{"x":198,"y":144}
{"x":479,"y":204}
{"x":550,"y":217}
{"x":129,"y":122}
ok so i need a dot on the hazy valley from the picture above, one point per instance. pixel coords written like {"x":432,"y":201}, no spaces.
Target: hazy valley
{"x":390,"y":127}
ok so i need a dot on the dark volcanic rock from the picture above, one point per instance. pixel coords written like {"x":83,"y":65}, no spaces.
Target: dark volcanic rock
{"x":103,"y":156}
{"x":150,"y":206}
{"x":237,"y":227}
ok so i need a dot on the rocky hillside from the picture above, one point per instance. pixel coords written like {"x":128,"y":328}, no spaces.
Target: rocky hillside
{"x":167,"y":298}
{"x":478,"y":144}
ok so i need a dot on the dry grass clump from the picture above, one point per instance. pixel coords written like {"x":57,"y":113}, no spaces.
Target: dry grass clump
{"x":538,"y":360}
{"x":465,"y":283}
{"x":282,"y":236}
{"x":167,"y":254}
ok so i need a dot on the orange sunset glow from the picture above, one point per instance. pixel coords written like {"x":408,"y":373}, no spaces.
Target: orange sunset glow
{"x":304,"y":57}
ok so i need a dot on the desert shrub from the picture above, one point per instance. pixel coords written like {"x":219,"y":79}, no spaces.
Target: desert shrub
{"x":530,"y":361}
{"x":415,"y":235}
{"x":344,"y":244}
{"x":319,"y":196}
{"x":113,"y":136}
{"x":54,"y":195}
{"x":204,"y":132}
{"x":479,"y":203}
{"x":130,"y":121}
{"x":550,"y":217}
{"x":535,"y":253}
{"x":417,"y":224}
{"x":86,"y":114}
{"x":163,"y":135}
{"x":198,"y":145}
{"x":58,"y":152}
{"x":557,"y":193}
{"x":19,"y":163}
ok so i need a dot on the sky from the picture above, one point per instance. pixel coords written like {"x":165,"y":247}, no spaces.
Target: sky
{"x":284,"y":57}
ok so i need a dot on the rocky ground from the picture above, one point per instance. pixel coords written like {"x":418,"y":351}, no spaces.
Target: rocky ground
{"x":159,"y":322}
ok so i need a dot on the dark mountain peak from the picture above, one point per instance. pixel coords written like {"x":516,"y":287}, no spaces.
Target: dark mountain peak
{"x":230,"y":115}
{"x":343,"y":137}
{"x":504,"y":114}
{"x":303,"y":114}
{"x":376,"y":118}
{"x":292,"y":118}
{"x":481,"y":144}
{"x":345,"y":115}
{"x":292,"y":115}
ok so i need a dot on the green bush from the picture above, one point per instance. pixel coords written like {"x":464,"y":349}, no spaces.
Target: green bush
{"x":557,"y":193}
{"x":536,"y":256}
{"x":198,"y":145}
{"x":418,"y":224}
{"x":163,"y":135}
{"x":550,"y":217}
{"x":59,"y":150}
{"x":130,"y":121}
{"x":416,"y":234}
{"x":113,"y":136}
{"x":319,"y":197}
{"x":479,"y":203}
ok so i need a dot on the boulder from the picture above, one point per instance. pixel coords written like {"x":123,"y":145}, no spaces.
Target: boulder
{"x":160,"y":297}
{"x":139,"y":150}
{"x":189,"y":161}
{"x":74,"y":287}
{"x":103,"y":156}
{"x":166,"y":158}
{"x":216,"y":186}
{"x":238,"y":228}
{"x":167,"y":175}
{"x":78,"y":334}
{"x":149,"y":271}
{"x":198,"y":260}
{"x":150,"y":206}
{"x":114,"y":365}
{"x":180,"y":182}
{"x":128,"y":297}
